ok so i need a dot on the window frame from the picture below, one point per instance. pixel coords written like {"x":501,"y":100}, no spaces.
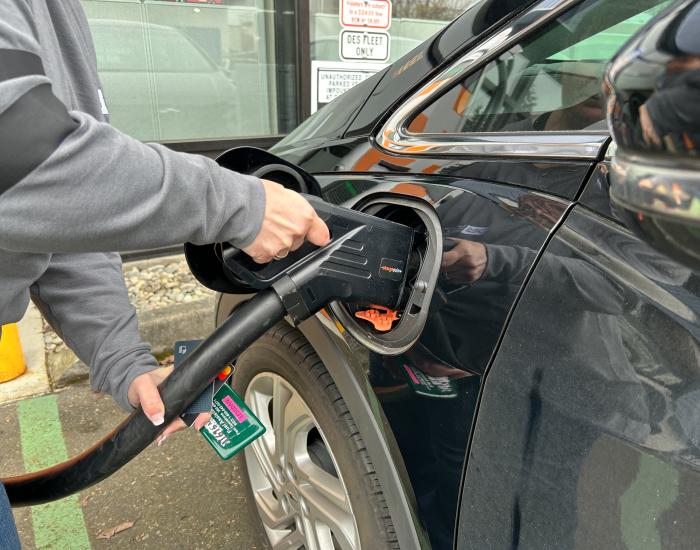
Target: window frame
{"x":395,"y":138}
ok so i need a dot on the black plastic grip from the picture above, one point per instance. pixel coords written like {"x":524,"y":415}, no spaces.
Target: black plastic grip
{"x":365,"y":261}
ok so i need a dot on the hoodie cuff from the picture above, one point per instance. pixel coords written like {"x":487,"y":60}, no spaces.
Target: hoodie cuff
{"x":123,"y":373}
{"x":246,"y":220}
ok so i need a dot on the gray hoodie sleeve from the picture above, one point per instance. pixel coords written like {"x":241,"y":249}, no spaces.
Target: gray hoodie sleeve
{"x":72,"y":184}
{"x":84,"y":298}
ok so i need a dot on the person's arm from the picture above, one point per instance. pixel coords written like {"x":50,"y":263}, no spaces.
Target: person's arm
{"x":670,"y":109}
{"x":70,"y":183}
{"x":84,"y":298}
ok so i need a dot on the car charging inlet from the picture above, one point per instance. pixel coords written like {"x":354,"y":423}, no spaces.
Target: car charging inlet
{"x":422,"y":274}
{"x":367,"y":262}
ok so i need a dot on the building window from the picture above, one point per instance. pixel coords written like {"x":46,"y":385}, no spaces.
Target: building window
{"x":411,"y":23}
{"x":193,"y":70}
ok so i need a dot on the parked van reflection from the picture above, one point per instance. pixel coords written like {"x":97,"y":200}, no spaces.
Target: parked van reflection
{"x":160,"y":85}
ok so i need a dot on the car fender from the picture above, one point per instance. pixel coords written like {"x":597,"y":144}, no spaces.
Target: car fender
{"x":367,"y":412}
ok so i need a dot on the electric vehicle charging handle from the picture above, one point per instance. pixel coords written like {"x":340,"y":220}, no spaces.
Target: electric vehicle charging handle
{"x":365,"y":262}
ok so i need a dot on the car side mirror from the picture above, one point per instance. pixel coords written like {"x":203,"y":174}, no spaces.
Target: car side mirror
{"x":652,"y":89}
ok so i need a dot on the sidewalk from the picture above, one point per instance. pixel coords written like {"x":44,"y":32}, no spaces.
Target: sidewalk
{"x":35,"y":381}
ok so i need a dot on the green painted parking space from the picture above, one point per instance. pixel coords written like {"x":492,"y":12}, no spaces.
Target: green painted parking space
{"x":58,"y":524}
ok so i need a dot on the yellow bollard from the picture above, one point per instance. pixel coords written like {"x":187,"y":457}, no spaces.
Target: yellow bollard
{"x":11,"y":357}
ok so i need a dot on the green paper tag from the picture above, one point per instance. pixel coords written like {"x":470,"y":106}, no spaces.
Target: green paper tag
{"x":429,"y":386}
{"x":232,"y":426}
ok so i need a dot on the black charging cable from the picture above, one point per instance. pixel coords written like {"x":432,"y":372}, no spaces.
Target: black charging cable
{"x":246,"y":324}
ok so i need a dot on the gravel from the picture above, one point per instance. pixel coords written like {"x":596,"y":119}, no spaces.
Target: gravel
{"x":152,"y":285}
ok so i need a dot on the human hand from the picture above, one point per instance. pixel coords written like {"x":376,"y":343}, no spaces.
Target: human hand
{"x":465,"y":263}
{"x":289,"y":220}
{"x":649,"y":133}
{"x":432,"y":367}
{"x":144,"y":391}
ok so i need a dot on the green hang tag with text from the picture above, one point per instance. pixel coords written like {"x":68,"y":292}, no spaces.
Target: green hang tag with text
{"x":429,"y":386}
{"x":233,"y":426}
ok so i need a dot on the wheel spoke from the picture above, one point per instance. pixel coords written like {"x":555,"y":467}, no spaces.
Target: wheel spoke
{"x":265,"y":462}
{"x":298,"y":423}
{"x":280,"y":399}
{"x":311,"y":534}
{"x":293,"y":540}
{"x":327,"y":504}
{"x":258,"y":401}
{"x":326,"y":486}
{"x":271,"y":511}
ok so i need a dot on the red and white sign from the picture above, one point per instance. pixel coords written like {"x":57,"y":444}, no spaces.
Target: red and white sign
{"x":366,"y":14}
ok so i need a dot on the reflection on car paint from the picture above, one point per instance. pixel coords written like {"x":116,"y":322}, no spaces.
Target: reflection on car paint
{"x":560,"y":178}
{"x":430,"y":424}
{"x":606,"y":418}
{"x":596,"y":194}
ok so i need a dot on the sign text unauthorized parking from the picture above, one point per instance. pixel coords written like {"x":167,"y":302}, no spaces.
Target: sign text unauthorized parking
{"x":332,"y":78}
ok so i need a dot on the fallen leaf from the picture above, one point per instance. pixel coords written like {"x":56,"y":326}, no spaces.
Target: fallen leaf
{"x":109,"y":533}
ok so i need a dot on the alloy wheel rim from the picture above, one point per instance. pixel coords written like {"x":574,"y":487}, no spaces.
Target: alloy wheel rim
{"x":302,"y":503}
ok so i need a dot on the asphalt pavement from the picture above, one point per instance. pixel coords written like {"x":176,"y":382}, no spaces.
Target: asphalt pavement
{"x":177,"y":496}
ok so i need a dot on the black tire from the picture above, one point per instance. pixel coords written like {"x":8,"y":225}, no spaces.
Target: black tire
{"x":286,"y":352}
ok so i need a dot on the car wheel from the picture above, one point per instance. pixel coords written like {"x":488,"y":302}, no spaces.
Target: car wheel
{"x":310,"y":476}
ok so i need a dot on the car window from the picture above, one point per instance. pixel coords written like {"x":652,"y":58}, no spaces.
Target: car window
{"x":550,"y":81}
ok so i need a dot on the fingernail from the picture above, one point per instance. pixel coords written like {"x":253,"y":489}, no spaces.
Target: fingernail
{"x":161,"y":439}
{"x":157,"y":419}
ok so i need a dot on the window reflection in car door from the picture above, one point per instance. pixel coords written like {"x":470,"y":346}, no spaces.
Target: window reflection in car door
{"x":594,"y":392}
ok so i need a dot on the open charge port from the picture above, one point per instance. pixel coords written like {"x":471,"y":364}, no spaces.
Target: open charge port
{"x":408,"y":217}
{"x":421,"y":275}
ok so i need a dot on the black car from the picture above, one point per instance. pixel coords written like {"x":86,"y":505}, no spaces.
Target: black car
{"x":549,"y":396}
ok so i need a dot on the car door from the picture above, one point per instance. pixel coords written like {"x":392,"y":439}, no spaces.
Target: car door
{"x":587,"y":431}
{"x":500,"y":143}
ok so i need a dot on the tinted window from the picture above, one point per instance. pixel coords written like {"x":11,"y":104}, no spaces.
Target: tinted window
{"x":549,"y":82}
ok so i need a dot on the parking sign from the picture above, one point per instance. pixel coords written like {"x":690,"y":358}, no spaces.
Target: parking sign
{"x":368,"y":14}
{"x":364,"y":46}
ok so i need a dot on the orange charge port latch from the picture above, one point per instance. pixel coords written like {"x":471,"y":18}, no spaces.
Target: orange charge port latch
{"x":381,"y":317}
